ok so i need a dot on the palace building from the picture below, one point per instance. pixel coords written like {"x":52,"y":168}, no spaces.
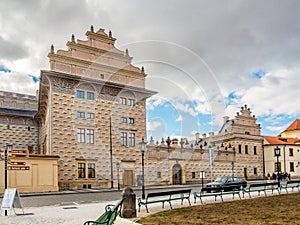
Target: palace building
{"x":89,"y":115}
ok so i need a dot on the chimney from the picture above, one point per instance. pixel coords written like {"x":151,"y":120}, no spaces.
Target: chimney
{"x":197,"y":137}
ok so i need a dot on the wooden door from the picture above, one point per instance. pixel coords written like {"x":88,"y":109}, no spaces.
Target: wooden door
{"x":128,"y":178}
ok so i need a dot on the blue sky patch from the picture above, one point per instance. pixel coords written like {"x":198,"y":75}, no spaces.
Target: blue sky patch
{"x":4,"y":69}
{"x":34,"y":79}
{"x":259,"y":74}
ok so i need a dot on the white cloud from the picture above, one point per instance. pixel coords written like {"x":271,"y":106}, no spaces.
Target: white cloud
{"x":153,"y":125}
{"x":179,"y":118}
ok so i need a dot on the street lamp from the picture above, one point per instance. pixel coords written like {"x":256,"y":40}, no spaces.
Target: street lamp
{"x":118,"y":174}
{"x":277,"y":154}
{"x":142,"y":147}
{"x":232,"y":168}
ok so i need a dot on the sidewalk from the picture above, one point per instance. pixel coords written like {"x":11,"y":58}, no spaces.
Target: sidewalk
{"x":77,"y":214}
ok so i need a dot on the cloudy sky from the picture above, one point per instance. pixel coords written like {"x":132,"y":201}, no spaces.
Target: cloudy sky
{"x":206,"y":58}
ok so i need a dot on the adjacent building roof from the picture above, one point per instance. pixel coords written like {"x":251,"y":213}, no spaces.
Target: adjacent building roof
{"x":294,"y":126}
{"x":281,"y":140}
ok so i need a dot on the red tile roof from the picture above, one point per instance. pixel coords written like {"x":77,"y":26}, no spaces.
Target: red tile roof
{"x":281,"y":140}
{"x":294,"y":126}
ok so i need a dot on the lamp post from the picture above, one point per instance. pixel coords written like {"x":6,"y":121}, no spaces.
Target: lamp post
{"x":118,"y":175}
{"x":142,"y":147}
{"x":232,"y":168}
{"x":277,"y":154}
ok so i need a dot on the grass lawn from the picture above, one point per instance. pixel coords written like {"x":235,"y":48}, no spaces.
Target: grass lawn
{"x":278,"y":209}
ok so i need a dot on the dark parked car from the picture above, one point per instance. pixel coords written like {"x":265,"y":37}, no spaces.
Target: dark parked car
{"x":228,"y":181}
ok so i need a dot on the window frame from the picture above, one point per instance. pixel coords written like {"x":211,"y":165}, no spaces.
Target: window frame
{"x":80,"y":135}
{"x":131,"y":139}
{"x":123,"y":101}
{"x":90,"y":95}
{"x":131,"y":120}
{"x":90,"y":115}
{"x":131,"y":102}
{"x":81,"y":173}
{"x":90,"y":136}
{"x":80,"y":94}
{"x":91,"y":170}
{"x":123,"y":138}
{"x":80,"y":115}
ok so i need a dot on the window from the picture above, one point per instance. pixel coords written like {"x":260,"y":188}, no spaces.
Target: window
{"x":292,"y":168}
{"x":255,"y":171}
{"x":158,"y":174}
{"x":131,"y":102}
{"x":124,"y":120}
{"x":131,"y":139}
{"x":80,"y":114}
{"x":90,"y":136}
{"x":246,"y":149}
{"x":124,"y":138}
{"x":90,"y":115}
{"x":90,"y":96}
{"x":123,"y":101}
{"x":291,"y":152}
{"x":193,"y":175}
{"x":80,"y":135}
{"x":240,"y":149}
{"x":79,"y":94}
{"x":102,"y":76}
{"x":254,"y":150}
{"x":81,"y":170}
{"x":277,"y":167}
{"x":131,"y":120}
{"x":30,"y":148}
{"x":91,"y":170}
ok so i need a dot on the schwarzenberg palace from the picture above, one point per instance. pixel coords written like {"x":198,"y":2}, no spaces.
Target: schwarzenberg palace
{"x":82,"y":130}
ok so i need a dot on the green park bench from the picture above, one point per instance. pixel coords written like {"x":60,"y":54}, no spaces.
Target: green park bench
{"x":217,"y":191}
{"x":109,"y":216}
{"x":291,"y":184}
{"x":165,"y":196}
{"x":261,"y":187}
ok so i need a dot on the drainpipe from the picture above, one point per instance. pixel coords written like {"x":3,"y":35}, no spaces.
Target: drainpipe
{"x":284,"y":163}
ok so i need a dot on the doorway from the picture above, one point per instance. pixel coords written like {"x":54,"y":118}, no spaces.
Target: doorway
{"x":176,"y":174}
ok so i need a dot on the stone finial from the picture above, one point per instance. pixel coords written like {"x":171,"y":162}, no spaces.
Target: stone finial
{"x":52,"y":49}
{"x":73,"y":38}
{"x":143,"y":70}
{"x":110,"y":34}
{"x":126,"y":52}
{"x":162,"y":141}
{"x":157,"y":143}
{"x":92,"y":28}
{"x":245,"y":106}
{"x":168,"y":141}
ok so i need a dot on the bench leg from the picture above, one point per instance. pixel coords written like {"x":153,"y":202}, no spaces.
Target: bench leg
{"x":189,"y":201}
{"x":195,"y":199}
{"x":265,"y":193}
{"x":222,"y":198}
{"x":201,"y":200}
{"x":139,"y":208}
{"x":239,"y":195}
{"x":147,"y":208}
{"x":163,"y":204}
{"x":170,"y":204}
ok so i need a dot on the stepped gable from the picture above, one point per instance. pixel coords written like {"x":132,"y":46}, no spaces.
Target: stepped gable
{"x":94,"y":57}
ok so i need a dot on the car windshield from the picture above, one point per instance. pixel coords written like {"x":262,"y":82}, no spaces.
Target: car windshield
{"x":221,"y":179}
